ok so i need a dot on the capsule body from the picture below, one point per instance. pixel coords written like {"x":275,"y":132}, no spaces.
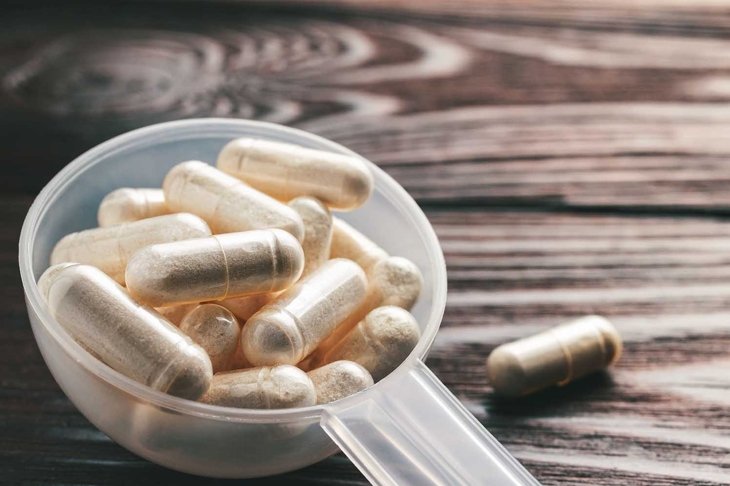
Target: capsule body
{"x":553,"y":357}
{"x":130,"y":338}
{"x":347,"y":242}
{"x":379,"y":343}
{"x":293,"y":325}
{"x":127,"y":204}
{"x":110,"y":248}
{"x":227,"y":204}
{"x":392,"y":281}
{"x":286,"y":171}
{"x":339,"y":380}
{"x":216,"y":330}
{"x":266,"y":387}
{"x":214,"y":268}
{"x":317,"y":232}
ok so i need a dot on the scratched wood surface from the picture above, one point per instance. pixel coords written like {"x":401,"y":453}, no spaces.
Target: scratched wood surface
{"x":574,"y":158}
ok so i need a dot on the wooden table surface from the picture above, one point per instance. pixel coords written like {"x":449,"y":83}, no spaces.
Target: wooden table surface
{"x":574,"y":158}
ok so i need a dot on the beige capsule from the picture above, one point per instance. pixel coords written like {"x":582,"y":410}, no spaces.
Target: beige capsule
{"x":286,"y":171}
{"x":128,"y":204}
{"x":266,"y":387}
{"x":130,"y":338}
{"x":292,"y":326}
{"x":109,"y":248}
{"x":379,"y":343}
{"x":339,"y":380}
{"x":317,"y":231}
{"x":216,"y":330}
{"x":393,"y":281}
{"x":227,"y":204}
{"x":175,"y":313}
{"x":215,"y":268}
{"x":347,"y":242}
{"x":553,"y":357}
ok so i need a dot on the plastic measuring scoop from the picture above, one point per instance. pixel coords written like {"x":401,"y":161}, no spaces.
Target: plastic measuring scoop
{"x":406,"y":429}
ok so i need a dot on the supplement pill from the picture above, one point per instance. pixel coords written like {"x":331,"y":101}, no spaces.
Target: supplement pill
{"x":292,"y":326}
{"x":108,"y":249}
{"x":216,"y":330}
{"x":347,"y":242}
{"x":286,"y":171}
{"x":130,"y":338}
{"x":339,"y":380}
{"x":214,"y":268}
{"x":267,"y":387}
{"x":393,"y":281}
{"x":379,"y":343}
{"x":126,"y":205}
{"x":227,"y":204}
{"x":553,"y":357}
{"x":317,"y":232}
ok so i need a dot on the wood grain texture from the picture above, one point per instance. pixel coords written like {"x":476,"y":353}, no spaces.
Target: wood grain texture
{"x":573,"y":157}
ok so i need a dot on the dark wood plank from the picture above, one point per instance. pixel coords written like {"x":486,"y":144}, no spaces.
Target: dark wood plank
{"x":572,"y":157}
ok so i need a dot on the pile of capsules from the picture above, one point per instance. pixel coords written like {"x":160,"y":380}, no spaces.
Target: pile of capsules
{"x":213,"y":289}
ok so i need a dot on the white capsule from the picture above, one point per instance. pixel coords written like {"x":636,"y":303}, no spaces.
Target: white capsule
{"x":317,"y":232}
{"x":286,"y":171}
{"x":267,"y":387}
{"x":339,"y":380}
{"x":379,"y":343}
{"x":215,"y":268}
{"x":392,"y":281}
{"x":347,"y":242}
{"x":553,"y":357}
{"x":227,"y":204}
{"x":127,"y":204}
{"x":292,"y":326}
{"x":130,"y":338}
{"x":216,"y":330}
{"x":109,"y":248}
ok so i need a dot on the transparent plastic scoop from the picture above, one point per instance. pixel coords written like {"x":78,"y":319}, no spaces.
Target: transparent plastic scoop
{"x":413,"y":431}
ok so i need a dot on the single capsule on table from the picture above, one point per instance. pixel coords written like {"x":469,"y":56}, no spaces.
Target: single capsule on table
{"x":317,"y":231}
{"x":130,"y":338}
{"x":347,"y":242}
{"x":109,"y":248}
{"x":214,"y":268}
{"x":379,"y":343}
{"x":339,"y":380}
{"x":175,"y":313}
{"x":392,"y":281}
{"x":227,"y":204}
{"x":292,"y":326}
{"x":127,"y":204}
{"x":216,"y":330}
{"x":286,"y":171}
{"x":266,"y":387}
{"x":553,"y":357}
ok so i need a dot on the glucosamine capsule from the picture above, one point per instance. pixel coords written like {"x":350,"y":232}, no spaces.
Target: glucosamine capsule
{"x":393,"y":281}
{"x":317,"y":231}
{"x":347,"y":242}
{"x":216,"y":330}
{"x":214,"y":268}
{"x":130,"y":338}
{"x":553,"y":357}
{"x":292,"y":326}
{"x":379,"y":343}
{"x":266,"y":387}
{"x":227,"y":204}
{"x":109,"y":248}
{"x":339,"y":380}
{"x":287,"y":171}
{"x":127,"y":204}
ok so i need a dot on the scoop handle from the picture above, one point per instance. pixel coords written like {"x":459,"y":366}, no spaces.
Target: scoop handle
{"x":410,"y":430}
